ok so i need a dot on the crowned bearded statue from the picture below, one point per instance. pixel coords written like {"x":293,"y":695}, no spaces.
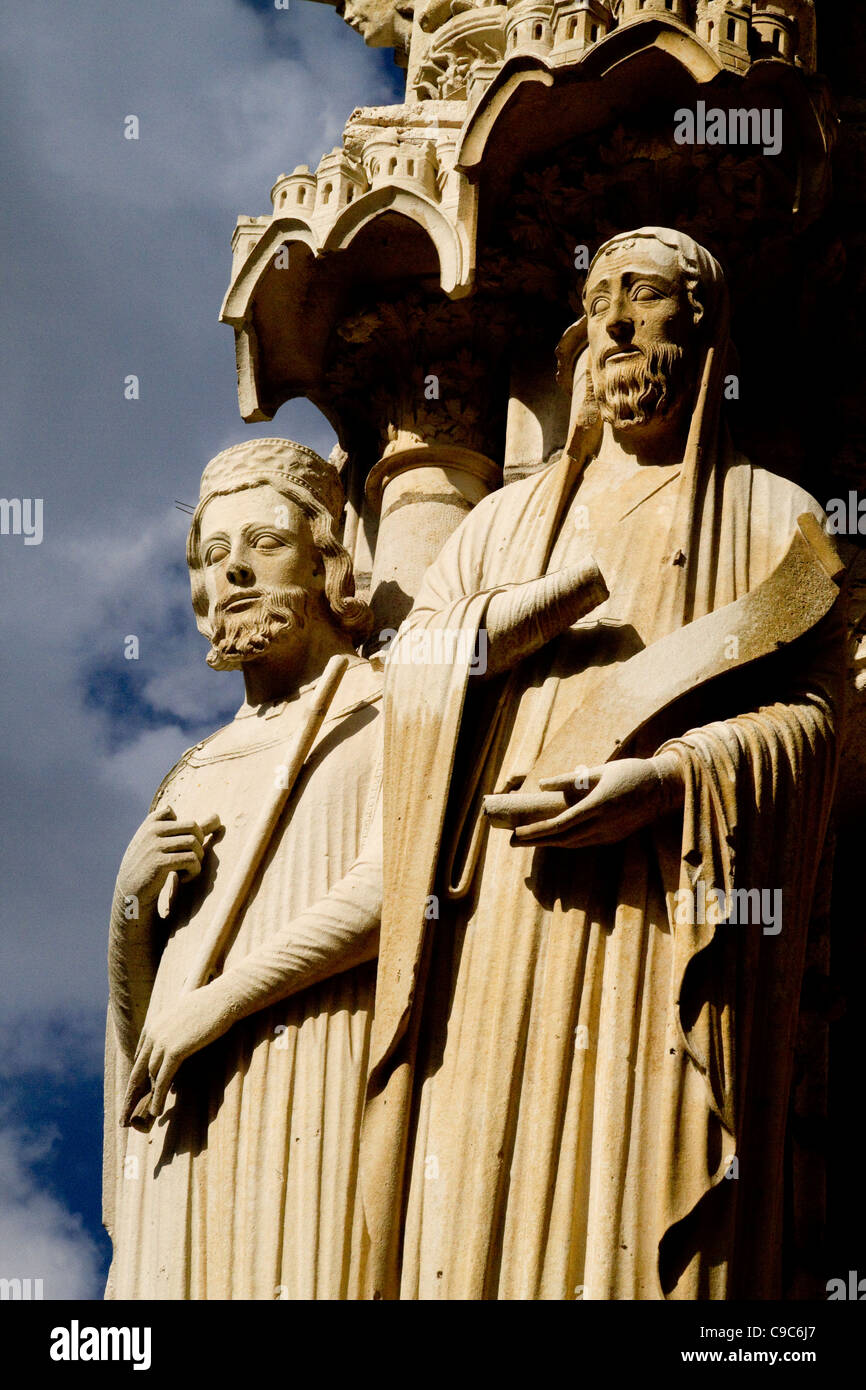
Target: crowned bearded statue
{"x":245,"y":922}
{"x":580,"y":1069}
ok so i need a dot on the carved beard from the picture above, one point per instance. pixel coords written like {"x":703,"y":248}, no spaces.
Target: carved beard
{"x":630,"y":394}
{"x":280,"y":616}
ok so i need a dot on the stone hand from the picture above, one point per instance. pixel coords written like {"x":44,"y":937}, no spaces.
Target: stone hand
{"x":162,"y":845}
{"x":196,"y":1019}
{"x":618,"y":799}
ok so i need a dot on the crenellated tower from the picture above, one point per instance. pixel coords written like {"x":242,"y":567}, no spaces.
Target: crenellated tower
{"x":577,"y":25}
{"x":726,"y":26}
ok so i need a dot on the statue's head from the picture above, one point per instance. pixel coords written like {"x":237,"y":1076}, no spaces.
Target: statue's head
{"x":381,"y":23}
{"x":264,"y":560}
{"x":645,"y":305}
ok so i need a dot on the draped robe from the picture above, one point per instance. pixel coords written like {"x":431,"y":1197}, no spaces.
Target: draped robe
{"x":563,"y":1074}
{"x":246,"y":1187}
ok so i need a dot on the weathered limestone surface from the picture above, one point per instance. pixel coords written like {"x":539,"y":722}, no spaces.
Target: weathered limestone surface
{"x":630,"y":683}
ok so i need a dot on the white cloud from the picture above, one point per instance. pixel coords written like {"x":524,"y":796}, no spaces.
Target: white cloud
{"x":51,"y":1046}
{"x":222,"y":94}
{"x":140,"y":766}
{"x":39,"y":1237}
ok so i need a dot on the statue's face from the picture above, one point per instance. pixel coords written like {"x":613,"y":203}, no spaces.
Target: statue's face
{"x":641,"y":332}
{"x":381,"y":23}
{"x":260,"y":569}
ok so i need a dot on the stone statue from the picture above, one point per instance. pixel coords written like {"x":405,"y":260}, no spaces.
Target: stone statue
{"x":581,"y":1053}
{"x":245,"y":921}
{"x":381,"y":23}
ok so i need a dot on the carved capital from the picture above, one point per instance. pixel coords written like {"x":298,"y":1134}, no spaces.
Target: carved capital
{"x":420,"y":373}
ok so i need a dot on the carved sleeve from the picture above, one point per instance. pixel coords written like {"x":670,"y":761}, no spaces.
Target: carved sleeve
{"x":339,"y":931}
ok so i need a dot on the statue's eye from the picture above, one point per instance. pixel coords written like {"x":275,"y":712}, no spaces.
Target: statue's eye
{"x":215,"y":553}
{"x":268,"y":541}
{"x":600,"y":305}
{"x":644,"y":294}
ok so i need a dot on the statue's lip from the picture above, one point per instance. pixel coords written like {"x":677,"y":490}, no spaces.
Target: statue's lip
{"x":241,"y":600}
{"x":621,"y":352}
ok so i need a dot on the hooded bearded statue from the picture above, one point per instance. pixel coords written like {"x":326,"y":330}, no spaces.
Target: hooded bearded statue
{"x":581,"y":1067}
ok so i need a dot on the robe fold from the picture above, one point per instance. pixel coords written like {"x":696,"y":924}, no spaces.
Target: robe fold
{"x":574,"y":1093}
{"x":246,"y":1187}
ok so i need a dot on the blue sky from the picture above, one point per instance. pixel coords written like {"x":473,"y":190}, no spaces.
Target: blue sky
{"x":116,"y":256}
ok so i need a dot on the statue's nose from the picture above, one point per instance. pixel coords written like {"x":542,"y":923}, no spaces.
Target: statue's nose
{"x":238,"y":572}
{"x":620,"y":327}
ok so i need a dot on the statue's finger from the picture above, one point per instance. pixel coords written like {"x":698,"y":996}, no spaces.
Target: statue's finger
{"x":139,"y":1083}
{"x":545,"y":829}
{"x":182,"y":842}
{"x":179,"y":827}
{"x":155,"y":1062}
{"x":192,"y":827}
{"x":188,"y":866}
{"x":161,"y":1085}
{"x":130,"y":1102}
{"x":583,"y":779}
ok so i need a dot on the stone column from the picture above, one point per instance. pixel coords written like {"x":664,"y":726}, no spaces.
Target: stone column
{"x":420,"y":493}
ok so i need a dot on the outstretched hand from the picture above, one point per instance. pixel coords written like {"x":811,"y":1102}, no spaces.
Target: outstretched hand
{"x":610,"y":802}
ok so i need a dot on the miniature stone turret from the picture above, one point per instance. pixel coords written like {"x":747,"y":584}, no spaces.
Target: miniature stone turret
{"x":528,"y":28}
{"x":389,"y":160}
{"x":578,"y":24}
{"x":295,"y":193}
{"x":245,"y":238}
{"x":338,"y":182}
{"x":774,"y":30}
{"x":626,"y":10}
{"x":724,"y":25}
